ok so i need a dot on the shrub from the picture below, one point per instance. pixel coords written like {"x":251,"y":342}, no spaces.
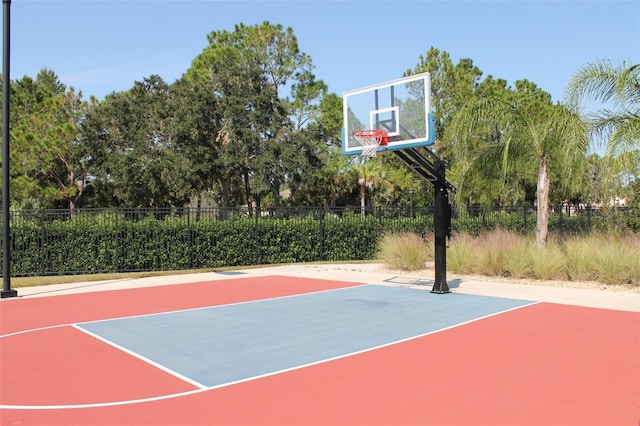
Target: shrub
{"x":462,"y":254}
{"x":549,"y":263}
{"x":406,"y":251}
{"x":580,"y":257}
{"x":518,"y":259}
{"x":617,"y":260}
{"x":494,"y":249}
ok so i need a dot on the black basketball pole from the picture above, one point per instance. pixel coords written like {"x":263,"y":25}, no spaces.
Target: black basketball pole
{"x":432,"y":168}
{"x":441,"y":228}
{"x":6,"y":82}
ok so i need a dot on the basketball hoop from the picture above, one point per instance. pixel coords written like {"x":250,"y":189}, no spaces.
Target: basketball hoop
{"x":370,"y":140}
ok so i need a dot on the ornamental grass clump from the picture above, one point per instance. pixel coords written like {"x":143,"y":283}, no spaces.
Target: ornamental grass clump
{"x":406,"y":251}
{"x":462,"y":254}
{"x":611,"y":259}
{"x":518,"y":260}
{"x":549,"y":262}
{"x":606,"y":258}
{"x":502,"y":253}
{"x":580,"y":257}
{"x":616,"y":260}
{"x":494,"y":253}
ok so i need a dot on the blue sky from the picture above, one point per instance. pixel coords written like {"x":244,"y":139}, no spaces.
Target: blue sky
{"x":104,"y":46}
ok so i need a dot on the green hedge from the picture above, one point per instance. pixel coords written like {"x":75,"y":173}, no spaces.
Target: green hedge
{"x":107,"y":245}
{"x":107,"y":241}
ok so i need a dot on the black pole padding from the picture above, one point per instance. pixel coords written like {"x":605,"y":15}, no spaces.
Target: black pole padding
{"x":441,"y":232}
{"x":6,"y":91}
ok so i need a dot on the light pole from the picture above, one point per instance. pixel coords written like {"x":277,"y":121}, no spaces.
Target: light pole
{"x":6,"y":231}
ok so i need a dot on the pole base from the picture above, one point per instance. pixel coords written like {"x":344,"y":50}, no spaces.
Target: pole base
{"x":8,"y":293}
{"x":440,"y":287}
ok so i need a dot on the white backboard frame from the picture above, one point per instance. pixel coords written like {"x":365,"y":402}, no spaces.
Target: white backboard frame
{"x":387,"y":106}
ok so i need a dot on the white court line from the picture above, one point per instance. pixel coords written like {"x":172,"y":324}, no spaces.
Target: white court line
{"x":31,"y":330}
{"x":200,"y":386}
{"x":226,"y":304}
{"x":142,"y":358}
{"x":299,"y":367}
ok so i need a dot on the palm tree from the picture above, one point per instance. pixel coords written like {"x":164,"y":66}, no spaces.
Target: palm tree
{"x":517,"y":126}
{"x":619,"y":88}
{"x":368,"y":174}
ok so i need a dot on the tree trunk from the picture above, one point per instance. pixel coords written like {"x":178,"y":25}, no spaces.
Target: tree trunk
{"x":70,"y":198}
{"x":276,"y":197}
{"x":542,"y":196}
{"x":247,"y":192}
{"x":72,"y":207}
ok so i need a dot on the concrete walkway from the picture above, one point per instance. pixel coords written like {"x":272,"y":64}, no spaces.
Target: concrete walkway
{"x":370,"y":273}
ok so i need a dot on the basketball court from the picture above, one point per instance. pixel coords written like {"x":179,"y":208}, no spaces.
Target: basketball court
{"x":325,"y":344}
{"x":317,"y":344}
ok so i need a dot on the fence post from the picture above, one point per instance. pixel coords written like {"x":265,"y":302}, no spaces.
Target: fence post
{"x":189,"y":237}
{"x":258,"y":257}
{"x":322,"y":215}
{"x":117,"y":242}
{"x":43,"y":243}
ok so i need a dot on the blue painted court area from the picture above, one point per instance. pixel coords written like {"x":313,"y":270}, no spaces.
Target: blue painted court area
{"x":224,"y":344}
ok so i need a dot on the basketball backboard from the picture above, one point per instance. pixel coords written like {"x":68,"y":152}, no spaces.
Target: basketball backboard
{"x":400,"y":107}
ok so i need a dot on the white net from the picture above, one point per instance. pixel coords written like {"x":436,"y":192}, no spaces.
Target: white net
{"x":369,"y":140}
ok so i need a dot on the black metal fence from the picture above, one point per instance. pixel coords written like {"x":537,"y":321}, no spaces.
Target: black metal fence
{"x":52,"y":242}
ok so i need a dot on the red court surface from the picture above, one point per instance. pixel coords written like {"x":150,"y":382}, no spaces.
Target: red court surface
{"x":543,"y":364}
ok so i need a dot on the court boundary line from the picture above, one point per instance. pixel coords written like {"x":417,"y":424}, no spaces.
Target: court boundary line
{"x":177,"y":311}
{"x":248,"y":379}
{"x":76,"y":287}
{"x":31,"y":330}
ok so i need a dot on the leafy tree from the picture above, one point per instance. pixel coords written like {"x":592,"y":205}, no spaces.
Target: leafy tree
{"x":196,"y":122}
{"x":48,"y":163}
{"x":248,"y":70}
{"x":132,"y":153}
{"x":483,"y":181}
{"x":526,"y":128}
{"x":64,"y":165}
{"x":597,"y":183}
{"x":27,"y":94}
{"x":619,"y":87}
{"x":451,"y":85}
{"x":326,"y":182}
{"x":367,"y":175}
